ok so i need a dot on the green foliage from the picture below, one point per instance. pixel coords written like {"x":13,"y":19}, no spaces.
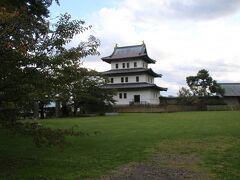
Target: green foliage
{"x":201,"y":88}
{"x":203,"y":85}
{"x":22,"y":23}
{"x":83,"y":88}
{"x":37,"y":64}
{"x":185,"y":97}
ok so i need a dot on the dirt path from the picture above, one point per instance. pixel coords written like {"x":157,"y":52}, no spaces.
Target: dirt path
{"x":165,"y":167}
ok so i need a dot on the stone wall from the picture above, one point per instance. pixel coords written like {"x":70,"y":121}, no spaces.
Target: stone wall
{"x":166,"y":108}
{"x":174,"y":108}
{"x":223,"y":107}
{"x":232,"y":101}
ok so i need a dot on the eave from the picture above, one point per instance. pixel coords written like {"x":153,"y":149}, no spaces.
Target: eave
{"x":145,"y":57}
{"x":119,"y":72}
{"x":134,"y":86}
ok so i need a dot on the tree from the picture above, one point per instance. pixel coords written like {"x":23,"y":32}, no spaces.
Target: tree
{"x":34,"y":57}
{"x":33,"y":52}
{"x":201,"y":88}
{"x":82,"y":88}
{"x":186,"y":97}
{"x":61,"y":64}
{"x":22,"y":22}
{"x":92,"y":97}
{"x":203,"y":85}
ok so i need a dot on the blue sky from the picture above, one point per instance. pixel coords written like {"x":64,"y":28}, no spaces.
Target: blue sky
{"x":80,"y":8}
{"x":184,"y":36}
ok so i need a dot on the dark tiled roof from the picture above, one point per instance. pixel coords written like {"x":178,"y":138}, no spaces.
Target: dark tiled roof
{"x":231,"y":89}
{"x":134,"y":86}
{"x":129,"y":52}
{"x":131,"y":71}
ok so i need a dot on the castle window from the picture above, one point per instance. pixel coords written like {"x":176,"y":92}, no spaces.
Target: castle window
{"x":135,"y":64}
{"x":137,"y":78}
{"x":120,"y":95}
{"x":123,"y":65}
{"x":112,"y":80}
{"x":127,"y":65}
{"x":116,"y":65}
{"x":122,"y":79}
{"x":126,"y":79}
{"x":125,"y":95}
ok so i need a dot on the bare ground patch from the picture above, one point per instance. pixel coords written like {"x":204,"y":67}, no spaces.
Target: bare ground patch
{"x":164,"y":166}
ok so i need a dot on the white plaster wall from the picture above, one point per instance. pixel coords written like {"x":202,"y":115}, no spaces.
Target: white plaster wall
{"x":149,"y":79}
{"x":140,"y":64}
{"x":132,"y":78}
{"x":149,"y":96}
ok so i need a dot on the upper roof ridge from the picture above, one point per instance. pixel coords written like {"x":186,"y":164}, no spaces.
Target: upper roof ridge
{"x":126,"y":52}
{"x":137,"y":45}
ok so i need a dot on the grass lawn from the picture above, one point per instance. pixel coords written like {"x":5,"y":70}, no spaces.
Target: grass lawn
{"x":212,"y":137}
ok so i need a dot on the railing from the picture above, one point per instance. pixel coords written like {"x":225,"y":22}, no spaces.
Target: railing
{"x":133,"y":103}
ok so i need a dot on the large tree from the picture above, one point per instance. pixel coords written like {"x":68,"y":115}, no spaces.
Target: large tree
{"x":203,"y":85}
{"x":22,"y":22}
{"x":35,"y":60}
{"x":201,"y":88}
{"x":37,"y":66}
{"x":82,"y":88}
{"x":59,"y":63}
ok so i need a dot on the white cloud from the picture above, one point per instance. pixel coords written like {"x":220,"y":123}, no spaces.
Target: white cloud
{"x":184,"y":36}
{"x":186,"y":9}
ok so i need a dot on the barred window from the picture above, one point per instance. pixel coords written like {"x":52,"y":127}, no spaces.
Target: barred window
{"x":137,"y":78}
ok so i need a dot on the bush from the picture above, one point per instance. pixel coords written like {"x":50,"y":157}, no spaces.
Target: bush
{"x":191,"y":100}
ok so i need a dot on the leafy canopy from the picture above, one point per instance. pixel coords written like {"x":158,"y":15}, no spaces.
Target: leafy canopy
{"x":37,"y":66}
{"x":36,"y":62}
{"x":203,"y":85}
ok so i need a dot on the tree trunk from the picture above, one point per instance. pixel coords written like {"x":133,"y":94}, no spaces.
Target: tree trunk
{"x":65,"y":112}
{"x":57,"y":109}
{"x":75,"y":108}
{"x":41,"y":104}
{"x":36,"y":110}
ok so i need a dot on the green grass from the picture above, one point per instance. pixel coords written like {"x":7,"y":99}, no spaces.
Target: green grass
{"x":214,"y":137}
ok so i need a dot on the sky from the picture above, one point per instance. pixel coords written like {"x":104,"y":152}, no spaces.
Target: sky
{"x":183,"y":36}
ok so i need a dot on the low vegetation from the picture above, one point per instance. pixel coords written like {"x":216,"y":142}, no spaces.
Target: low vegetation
{"x":203,"y":143}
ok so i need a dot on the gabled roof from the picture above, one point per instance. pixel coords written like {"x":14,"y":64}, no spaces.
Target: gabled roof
{"x":138,"y":86}
{"x":231,"y":89}
{"x":117,"y":72}
{"x":129,"y":52}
